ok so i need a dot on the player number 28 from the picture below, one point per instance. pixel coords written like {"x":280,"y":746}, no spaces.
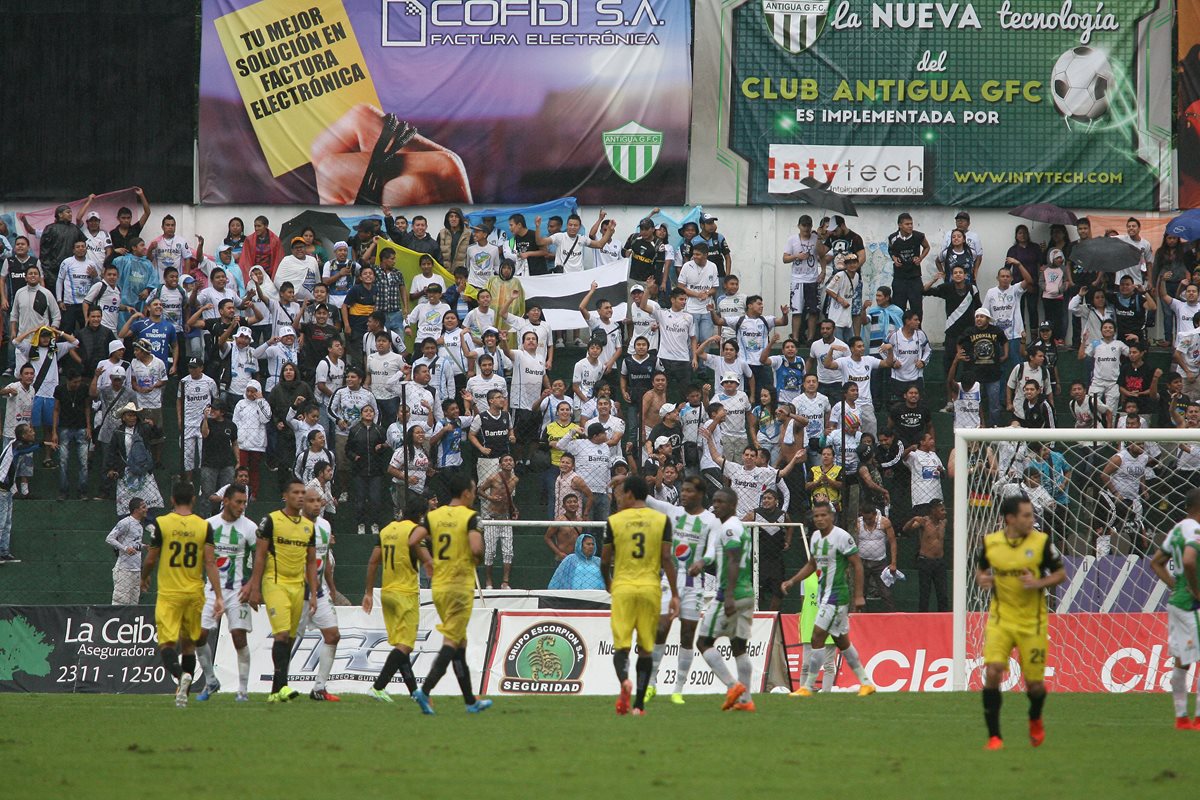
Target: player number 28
{"x":190,"y":551}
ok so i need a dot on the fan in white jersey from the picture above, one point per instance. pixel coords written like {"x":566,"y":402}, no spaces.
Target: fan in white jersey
{"x":196,"y":394}
{"x":234,"y":539}
{"x":324,"y":617}
{"x":748,"y":479}
{"x":833,"y":554}
{"x":1175,"y":565}
{"x":965,"y":393}
{"x":730,"y":613}
{"x":693,"y":525}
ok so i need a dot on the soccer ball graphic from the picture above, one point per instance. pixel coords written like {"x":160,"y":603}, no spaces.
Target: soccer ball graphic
{"x":1080,"y":83}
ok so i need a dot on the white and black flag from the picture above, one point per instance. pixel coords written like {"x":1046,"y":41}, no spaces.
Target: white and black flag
{"x":559,"y":295}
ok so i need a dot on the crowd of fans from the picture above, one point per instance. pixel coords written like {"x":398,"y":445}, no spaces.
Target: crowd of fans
{"x":285,"y":359}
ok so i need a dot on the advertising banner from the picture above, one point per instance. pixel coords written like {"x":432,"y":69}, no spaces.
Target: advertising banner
{"x":360,"y":653}
{"x":984,"y":103}
{"x":1188,"y":114}
{"x":101,"y":649}
{"x":570,"y":652}
{"x":1088,"y":653}
{"x":420,"y":102}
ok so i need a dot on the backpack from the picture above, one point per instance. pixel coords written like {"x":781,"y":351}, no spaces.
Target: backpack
{"x":138,"y":461}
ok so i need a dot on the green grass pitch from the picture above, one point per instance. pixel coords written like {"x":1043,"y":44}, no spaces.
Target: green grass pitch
{"x":893,"y":745}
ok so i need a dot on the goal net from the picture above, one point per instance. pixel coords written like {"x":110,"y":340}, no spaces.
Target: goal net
{"x":1106,"y":498}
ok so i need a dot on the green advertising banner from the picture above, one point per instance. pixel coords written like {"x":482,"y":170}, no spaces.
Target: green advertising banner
{"x":986,"y":103}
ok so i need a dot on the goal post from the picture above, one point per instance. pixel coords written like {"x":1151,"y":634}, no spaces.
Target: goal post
{"x":1107,"y":497}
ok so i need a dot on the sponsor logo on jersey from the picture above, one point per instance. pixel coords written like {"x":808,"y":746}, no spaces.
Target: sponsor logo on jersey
{"x":547,"y":658}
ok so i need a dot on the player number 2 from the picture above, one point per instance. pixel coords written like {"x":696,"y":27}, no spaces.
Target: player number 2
{"x":443,"y":546}
{"x":190,"y":553}
{"x":639,"y":542}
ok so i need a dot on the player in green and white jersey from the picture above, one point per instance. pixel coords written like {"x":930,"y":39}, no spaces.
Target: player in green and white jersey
{"x":692,"y":526}
{"x":1175,"y":565}
{"x":234,"y":540}
{"x":731,"y":612}
{"x":834,"y":554}
{"x":324,"y":617}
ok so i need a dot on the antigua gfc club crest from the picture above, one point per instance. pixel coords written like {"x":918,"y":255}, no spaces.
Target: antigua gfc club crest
{"x":632,"y":150}
{"x":795,"y":24}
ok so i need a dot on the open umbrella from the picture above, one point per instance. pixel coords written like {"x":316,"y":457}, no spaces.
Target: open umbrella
{"x":327,"y":226}
{"x":1045,"y":212}
{"x":1186,"y":226}
{"x":818,"y":194}
{"x":1105,"y":254}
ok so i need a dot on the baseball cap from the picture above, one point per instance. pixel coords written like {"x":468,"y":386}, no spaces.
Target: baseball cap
{"x":116,"y":372}
{"x":225,"y":248}
{"x":595,"y":429}
{"x":706,"y":218}
{"x":983,"y":312}
{"x":479,"y":228}
{"x":962,"y":215}
{"x":297,"y":240}
{"x":1046,"y":326}
{"x":188,"y":279}
{"x":244,"y":331}
{"x":665,"y":408}
{"x":286,"y":330}
{"x":115,"y":345}
{"x":195,"y":362}
{"x":433,"y":287}
{"x":645,"y":222}
{"x":662,"y":441}
{"x":637,"y":288}
{"x":730,"y":377}
{"x":144,"y":344}
{"x":91,"y":215}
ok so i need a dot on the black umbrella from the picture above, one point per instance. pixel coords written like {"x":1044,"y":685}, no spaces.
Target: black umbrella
{"x":326,"y":225}
{"x":818,"y":194}
{"x":1045,"y":212}
{"x":1105,"y":254}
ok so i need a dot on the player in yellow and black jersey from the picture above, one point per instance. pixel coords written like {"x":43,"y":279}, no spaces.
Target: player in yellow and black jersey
{"x":399,"y":594}
{"x":284,"y":561}
{"x":188,"y":542}
{"x":449,"y":546}
{"x":1018,"y":564}
{"x":637,"y":549}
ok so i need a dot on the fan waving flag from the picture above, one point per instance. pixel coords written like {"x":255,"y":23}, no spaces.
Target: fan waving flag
{"x":560,"y":295}
{"x":562,"y":207}
{"x":407,"y":260}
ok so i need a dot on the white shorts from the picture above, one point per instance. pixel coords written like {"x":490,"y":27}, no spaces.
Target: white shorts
{"x":834,"y":620}
{"x":237,"y":614}
{"x":193,"y":450}
{"x":714,"y":623}
{"x":691,"y":601}
{"x":323,"y":618}
{"x":1183,"y":635}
